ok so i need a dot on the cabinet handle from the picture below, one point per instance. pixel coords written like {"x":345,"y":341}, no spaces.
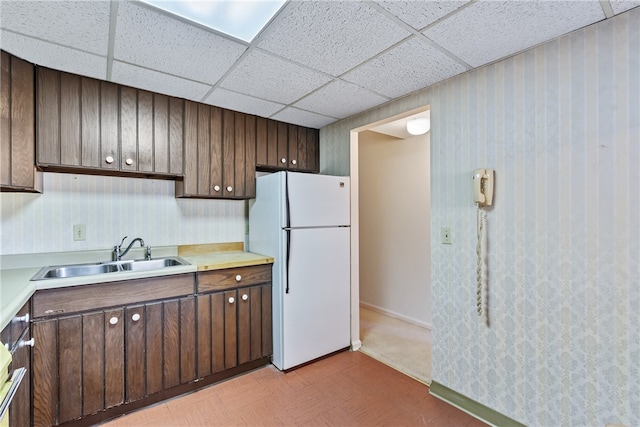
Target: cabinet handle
{"x":109,"y":159}
{"x":21,"y":319}
{"x":283,"y":160}
{"x":245,"y":297}
{"x":294,"y":162}
{"x":216,"y":188}
{"x":129,"y":161}
{"x":135,"y":317}
{"x":232,"y":300}
{"x":238,"y":278}
{"x":113,"y":320}
{"x":27,"y":343}
{"x":229,"y":189}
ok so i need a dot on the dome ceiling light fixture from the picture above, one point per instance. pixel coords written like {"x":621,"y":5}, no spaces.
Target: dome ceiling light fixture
{"x":418,"y":126}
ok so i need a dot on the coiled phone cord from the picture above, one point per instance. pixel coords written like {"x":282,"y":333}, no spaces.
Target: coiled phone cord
{"x":480,"y":219}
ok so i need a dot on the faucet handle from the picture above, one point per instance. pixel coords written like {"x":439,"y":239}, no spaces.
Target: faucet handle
{"x":123,"y":239}
{"x":148,"y":254}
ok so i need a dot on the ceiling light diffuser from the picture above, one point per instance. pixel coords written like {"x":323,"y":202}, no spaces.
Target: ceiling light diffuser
{"x":242,"y":19}
{"x":418,"y":126}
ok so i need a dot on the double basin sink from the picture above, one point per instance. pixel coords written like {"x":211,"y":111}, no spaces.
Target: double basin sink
{"x":76,"y":270}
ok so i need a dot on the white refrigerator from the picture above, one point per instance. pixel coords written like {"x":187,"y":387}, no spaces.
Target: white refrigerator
{"x":303,"y":222}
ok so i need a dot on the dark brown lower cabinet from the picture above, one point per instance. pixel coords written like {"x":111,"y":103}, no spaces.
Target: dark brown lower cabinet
{"x":104,"y":358}
{"x":102,"y":352}
{"x":234,"y":328}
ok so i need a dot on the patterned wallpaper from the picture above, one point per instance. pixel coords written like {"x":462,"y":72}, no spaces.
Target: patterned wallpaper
{"x":561,"y":126}
{"x":111,"y":208}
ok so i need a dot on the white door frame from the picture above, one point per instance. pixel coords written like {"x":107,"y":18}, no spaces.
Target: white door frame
{"x":356,"y":343}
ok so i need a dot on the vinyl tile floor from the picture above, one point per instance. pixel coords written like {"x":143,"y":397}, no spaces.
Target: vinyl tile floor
{"x":346,"y":389}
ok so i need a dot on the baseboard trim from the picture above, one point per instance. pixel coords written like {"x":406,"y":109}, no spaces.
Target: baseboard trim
{"x":355,"y":345}
{"x":395,"y":315}
{"x":471,"y":407}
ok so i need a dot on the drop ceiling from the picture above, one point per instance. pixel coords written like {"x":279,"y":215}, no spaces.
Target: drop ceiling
{"x":316,"y":62}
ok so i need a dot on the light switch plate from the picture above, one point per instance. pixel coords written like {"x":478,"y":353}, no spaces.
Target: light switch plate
{"x":445,"y":235}
{"x":79,"y":232}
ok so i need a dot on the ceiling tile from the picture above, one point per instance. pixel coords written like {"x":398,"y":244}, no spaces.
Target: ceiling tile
{"x":490,"y":30}
{"x":79,"y":24}
{"x":620,"y":6}
{"x":412,"y":65}
{"x":239,"y":102}
{"x":151,"y":39}
{"x":54,"y":56}
{"x":330,"y":36}
{"x":340,"y":99}
{"x":303,"y":118}
{"x":419,"y":14}
{"x":142,"y":78}
{"x":265,"y":76}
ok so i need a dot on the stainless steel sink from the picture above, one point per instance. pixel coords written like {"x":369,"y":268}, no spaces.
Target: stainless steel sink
{"x":152,"y":264}
{"x":76,"y":270}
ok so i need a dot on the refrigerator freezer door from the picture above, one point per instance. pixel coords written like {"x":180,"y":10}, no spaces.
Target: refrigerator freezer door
{"x":318,"y":200}
{"x":316,"y":311}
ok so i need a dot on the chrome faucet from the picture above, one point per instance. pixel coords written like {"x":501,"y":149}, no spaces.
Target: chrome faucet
{"x":117,"y":250}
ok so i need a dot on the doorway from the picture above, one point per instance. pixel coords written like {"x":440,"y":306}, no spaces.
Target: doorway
{"x":391,"y":296}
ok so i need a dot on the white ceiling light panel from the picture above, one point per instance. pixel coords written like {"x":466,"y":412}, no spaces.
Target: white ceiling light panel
{"x":242,"y":19}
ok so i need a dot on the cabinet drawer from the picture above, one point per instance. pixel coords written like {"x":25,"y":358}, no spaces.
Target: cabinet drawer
{"x":217,"y":280}
{"x":50,"y":302}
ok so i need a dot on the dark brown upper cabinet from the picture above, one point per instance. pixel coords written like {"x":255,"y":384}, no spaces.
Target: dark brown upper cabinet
{"x":282,"y":146}
{"x":17,"y":126}
{"x":91,"y":126}
{"x":219,"y":151}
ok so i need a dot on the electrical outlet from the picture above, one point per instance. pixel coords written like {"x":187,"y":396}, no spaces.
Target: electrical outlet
{"x":445,"y":235}
{"x":79,"y":232}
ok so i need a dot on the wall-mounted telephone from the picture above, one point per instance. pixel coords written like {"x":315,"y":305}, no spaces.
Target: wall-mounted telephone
{"x":482,"y":196}
{"x":483,"y":187}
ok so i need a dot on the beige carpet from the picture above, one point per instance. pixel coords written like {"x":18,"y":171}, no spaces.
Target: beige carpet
{"x":394,"y":342}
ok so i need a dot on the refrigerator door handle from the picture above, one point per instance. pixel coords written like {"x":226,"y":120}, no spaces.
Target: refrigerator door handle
{"x":288,"y":227}
{"x":288,"y":230}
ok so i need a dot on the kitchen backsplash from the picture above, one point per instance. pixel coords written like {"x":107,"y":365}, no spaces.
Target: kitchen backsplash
{"x":111,"y":208}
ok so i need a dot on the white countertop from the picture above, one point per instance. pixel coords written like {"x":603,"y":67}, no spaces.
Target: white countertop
{"x":16,"y":287}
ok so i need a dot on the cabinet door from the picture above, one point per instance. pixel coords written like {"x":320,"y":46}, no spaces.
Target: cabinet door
{"x":211,"y":333}
{"x":244,"y":146}
{"x":303,"y":149}
{"x":78,"y":369}
{"x":254,"y":323}
{"x":270,"y":144}
{"x":45,"y":372}
{"x":202,"y":152}
{"x":230,"y":329}
{"x":17,"y":120}
{"x":77,"y":121}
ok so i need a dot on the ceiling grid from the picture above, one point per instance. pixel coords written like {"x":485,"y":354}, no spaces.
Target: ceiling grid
{"x":314,"y":63}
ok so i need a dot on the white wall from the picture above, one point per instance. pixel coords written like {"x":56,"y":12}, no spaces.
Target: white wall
{"x":561,"y":126}
{"x":112,"y":207}
{"x":395,"y":225}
